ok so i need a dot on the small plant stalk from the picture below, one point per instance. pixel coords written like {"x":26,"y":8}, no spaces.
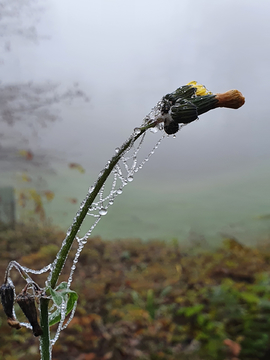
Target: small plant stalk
{"x":45,"y":346}
{"x":63,"y":253}
{"x":182,"y":106}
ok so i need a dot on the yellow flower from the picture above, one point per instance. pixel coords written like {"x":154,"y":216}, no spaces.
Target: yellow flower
{"x":200,"y":89}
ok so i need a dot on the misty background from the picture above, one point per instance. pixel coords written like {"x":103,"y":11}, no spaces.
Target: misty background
{"x":112,"y":62}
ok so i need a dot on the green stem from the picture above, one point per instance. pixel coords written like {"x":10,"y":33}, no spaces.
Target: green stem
{"x":45,"y":346}
{"x":63,"y":253}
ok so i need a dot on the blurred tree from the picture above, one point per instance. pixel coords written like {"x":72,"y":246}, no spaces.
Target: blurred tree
{"x":26,"y":107}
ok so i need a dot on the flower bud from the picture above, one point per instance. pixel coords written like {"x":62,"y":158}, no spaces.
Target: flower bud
{"x":205,"y":103}
{"x":184,"y":92}
{"x":170,"y":127}
{"x":7,"y":300}
{"x":27,"y":304}
{"x":184,"y":111}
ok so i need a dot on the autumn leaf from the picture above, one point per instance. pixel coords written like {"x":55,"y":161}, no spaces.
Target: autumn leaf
{"x":77,"y":166}
{"x":72,"y":200}
{"x":233,"y":347}
{"x":49,"y":195}
{"x":25,"y":177}
{"x":22,"y":199}
{"x":28,"y":155}
{"x":38,"y":203}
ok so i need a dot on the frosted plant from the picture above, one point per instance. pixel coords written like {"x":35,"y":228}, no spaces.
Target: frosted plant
{"x":57,"y":302}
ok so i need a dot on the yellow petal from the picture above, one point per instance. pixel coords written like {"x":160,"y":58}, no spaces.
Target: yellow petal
{"x":200,"y":89}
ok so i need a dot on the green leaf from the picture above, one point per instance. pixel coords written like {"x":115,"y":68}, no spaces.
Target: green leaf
{"x":191,"y":310}
{"x":59,"y":295}
{"x":150,"y":306}
{"x":249,"y":297}
{"x":56,"y":297}
{"x":265,"y":304}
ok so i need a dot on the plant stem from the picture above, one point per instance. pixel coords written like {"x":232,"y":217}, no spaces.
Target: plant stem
{"x":63,"y":253}
{"x":45,"y":346}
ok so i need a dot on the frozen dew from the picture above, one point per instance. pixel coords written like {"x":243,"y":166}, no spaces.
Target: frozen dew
{"x":130,"y":162}
{"x":63,"y":309}
{"x":26,"y":325}
{"x":154,"y":129}
{"x":70,"y":317}
{"x":103,"y":211}
{"x":37,"y":272}
{"x":136,"y":131}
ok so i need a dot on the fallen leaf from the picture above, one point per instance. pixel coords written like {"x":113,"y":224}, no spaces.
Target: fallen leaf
{"x":233,"y":346}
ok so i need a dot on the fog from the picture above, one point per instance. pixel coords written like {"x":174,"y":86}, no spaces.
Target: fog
{"x":213,"y":178}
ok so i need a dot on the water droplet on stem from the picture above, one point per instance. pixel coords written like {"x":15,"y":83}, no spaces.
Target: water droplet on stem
{"x":103,"y":211}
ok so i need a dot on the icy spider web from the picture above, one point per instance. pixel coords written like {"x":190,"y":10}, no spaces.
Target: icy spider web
{"x":130,"y":162}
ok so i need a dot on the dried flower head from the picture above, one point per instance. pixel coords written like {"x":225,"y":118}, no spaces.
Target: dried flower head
{"x":7,"y":300}
{"x":26,"y":302}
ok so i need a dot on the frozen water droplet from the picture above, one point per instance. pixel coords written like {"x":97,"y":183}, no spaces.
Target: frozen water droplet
{"x":111,"y":202}
{"x":130,"y":178}
{"x":117,"y":150}
{"x":102,"y":211}
{"x":154,"y":129}
{"x":137,"y":131}
{"x":119,"y":191}
{"x":108,"y":164}
{"x":174,"y":136}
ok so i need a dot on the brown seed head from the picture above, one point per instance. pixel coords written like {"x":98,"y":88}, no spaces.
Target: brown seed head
{"x":27,"y":304}
{"x":232,"y":99}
